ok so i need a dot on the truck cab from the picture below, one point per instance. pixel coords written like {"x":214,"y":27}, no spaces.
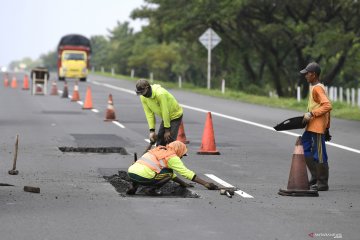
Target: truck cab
{"x":73,"y":65}
{"x":74,"y":52}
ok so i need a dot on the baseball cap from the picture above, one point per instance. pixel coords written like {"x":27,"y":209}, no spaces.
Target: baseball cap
{"x":312,"y":67}
{"x":141,"y":86}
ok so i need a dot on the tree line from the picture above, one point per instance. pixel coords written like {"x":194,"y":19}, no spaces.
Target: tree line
{"x":264,"y":43}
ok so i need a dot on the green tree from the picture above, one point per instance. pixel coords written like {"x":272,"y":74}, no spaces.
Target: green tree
{"x":100,"y":50}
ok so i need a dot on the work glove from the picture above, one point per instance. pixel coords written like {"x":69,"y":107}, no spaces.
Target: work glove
{"x":152,"y":136}
{"x":211,"y":186}
{"x":327,"y":135}
{"x":167,"y":135}
{"x":307,"y":117}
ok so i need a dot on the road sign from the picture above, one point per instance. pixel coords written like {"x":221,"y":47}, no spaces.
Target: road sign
{"x":209,"y":39}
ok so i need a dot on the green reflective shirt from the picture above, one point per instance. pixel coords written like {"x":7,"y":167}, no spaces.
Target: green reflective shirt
{"x":161,"y":103}
{"x":174,"y":163}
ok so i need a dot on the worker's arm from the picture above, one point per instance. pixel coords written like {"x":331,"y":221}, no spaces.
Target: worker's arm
{"x":149,"y":114}
{"x":321,"y":98}
{"x":208,"y":185}
{"x":176,"y":164}
{"x":165,"y":114}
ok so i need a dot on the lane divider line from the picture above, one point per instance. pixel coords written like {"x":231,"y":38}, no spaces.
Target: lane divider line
{"x":118,"y":124}
{"x":233,"y":118}
{"x":225,"y":184}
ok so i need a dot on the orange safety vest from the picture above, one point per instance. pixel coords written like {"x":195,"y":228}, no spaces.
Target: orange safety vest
{"x":157,"y":158}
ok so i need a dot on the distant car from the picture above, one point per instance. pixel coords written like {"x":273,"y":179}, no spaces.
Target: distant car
{"x":3,"y":69}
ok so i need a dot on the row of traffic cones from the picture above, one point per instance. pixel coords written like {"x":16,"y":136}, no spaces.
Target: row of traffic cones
{"x":208,"y":146}
{"x":13,"y":83}
{"x":75,"y":96}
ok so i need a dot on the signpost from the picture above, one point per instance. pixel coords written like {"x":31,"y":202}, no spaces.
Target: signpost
{"x":209,"y":39}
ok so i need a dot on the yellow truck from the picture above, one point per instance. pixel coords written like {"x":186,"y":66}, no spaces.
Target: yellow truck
{"x":74,"y":52}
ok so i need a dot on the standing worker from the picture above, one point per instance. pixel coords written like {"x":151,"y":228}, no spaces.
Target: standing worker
{"x":157,"y":100}
{"x":156,"y":167}
{"x":317,"y":129}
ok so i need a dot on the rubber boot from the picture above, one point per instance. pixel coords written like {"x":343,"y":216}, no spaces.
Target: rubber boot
{"x":322,"y":171}
{"x":310,"y":163}
{"x":132,"y":190}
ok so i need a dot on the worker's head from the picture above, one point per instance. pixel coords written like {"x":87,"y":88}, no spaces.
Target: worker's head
{"x":142,"y":87}
{"x":179,"y":148}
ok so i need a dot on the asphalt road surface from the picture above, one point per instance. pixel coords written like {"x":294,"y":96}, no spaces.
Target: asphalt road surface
{"x":76,"y":202}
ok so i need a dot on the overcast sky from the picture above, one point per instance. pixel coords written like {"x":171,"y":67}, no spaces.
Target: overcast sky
{"x":30,"y":28}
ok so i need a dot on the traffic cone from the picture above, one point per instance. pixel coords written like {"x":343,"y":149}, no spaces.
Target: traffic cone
{"x":208,"y":146}
{"x":110,"y":111}
{"x":6,"y":82}
{"x":54,"y":89}
{"x":13,"y":82}
{"x":181,"y":134}
{"x":75,"y":95}
{"x":65,"y":93}
{"x":88,"y":99}
{"x":298,"y":183}
{"x":26,"y":82}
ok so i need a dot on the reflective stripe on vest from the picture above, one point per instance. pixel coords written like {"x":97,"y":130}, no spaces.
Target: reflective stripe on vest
{"x":150,"y":160}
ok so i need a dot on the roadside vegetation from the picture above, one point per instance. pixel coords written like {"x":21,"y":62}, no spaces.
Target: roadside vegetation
{"x":340,"y":109}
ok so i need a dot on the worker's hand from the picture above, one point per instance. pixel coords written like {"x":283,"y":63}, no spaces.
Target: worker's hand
{"x":307,"y":117}
{"x":211,"y":186}
{"x":153,"y":137}
{"x":167,"y":135}
{"x":327,"y":135}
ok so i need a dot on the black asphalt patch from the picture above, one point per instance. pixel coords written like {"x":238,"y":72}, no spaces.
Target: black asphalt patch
{"x":97,"y":143}
{"x":121,"y":182}
{"x":120,"y":150}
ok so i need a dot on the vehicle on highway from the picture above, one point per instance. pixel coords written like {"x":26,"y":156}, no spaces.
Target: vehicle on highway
{"x":74,"y":52}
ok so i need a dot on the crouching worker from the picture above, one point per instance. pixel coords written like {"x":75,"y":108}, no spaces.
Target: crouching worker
{"x":156,"y":167}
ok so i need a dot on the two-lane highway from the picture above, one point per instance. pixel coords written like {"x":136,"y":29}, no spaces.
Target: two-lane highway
{"x":77,"y":203}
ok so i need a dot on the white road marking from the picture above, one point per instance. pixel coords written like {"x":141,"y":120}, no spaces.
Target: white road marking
{"x":225,"y":184}
{"x":118,"y":124}
{"x":234,"y":118}
{"x":95,"y":110}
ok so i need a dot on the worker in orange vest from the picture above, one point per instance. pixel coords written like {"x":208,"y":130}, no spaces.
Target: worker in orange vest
{"x":156,"y":167}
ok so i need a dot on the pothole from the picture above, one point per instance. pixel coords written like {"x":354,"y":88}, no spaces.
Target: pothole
{"x":120,"y":150}
{"x":121,"y":182}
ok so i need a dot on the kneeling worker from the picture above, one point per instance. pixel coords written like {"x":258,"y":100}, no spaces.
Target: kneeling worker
{"x":155,"y":168}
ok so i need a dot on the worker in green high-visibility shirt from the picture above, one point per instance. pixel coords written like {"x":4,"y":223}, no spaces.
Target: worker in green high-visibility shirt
{"x":157,"y":100}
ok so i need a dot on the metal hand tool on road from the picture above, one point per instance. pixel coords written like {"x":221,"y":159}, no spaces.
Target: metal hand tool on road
{"x":13,"y":171}
{"x":229,"y":192}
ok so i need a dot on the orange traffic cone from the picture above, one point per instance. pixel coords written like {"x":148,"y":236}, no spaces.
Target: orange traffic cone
{"x":6,"y":82}
{"x":26,"y":82}
{"x":88,"y":99}
{"x":181,"y":134}
{"x":298,"y":183}
{"x":65,"y":93}
{"x":13,"y":82}
{"x":208,"y":146}
{"x":54,"y":89}
{"x":110,"y":111}
{"x":75,"y":95}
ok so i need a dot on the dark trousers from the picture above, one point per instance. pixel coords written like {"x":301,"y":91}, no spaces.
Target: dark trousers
{"x":174,"y":128}
{"x":164,"y":173}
